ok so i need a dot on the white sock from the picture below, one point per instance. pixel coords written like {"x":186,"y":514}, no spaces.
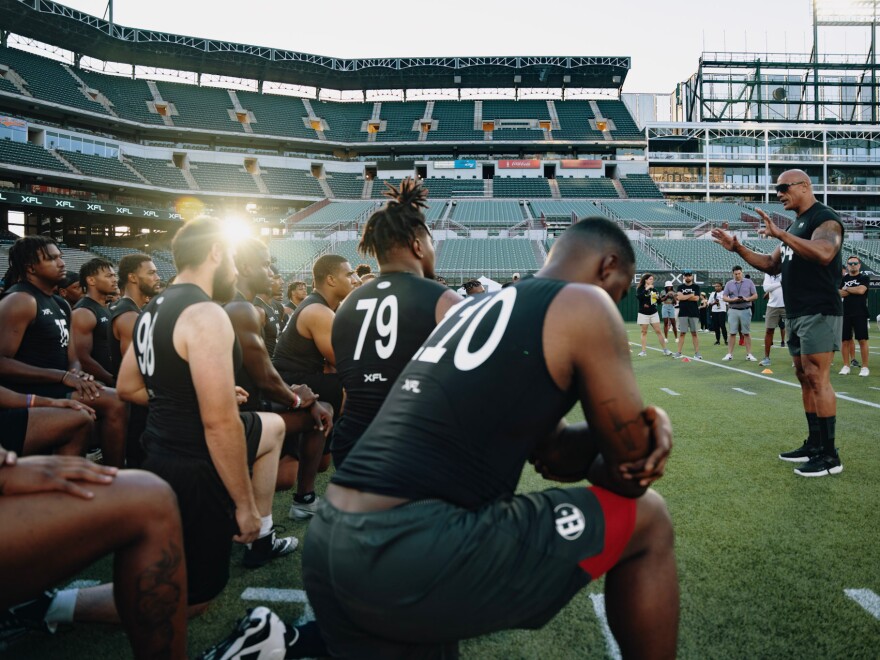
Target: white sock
{"x":266,"y":525}
{"x":62,"y":608}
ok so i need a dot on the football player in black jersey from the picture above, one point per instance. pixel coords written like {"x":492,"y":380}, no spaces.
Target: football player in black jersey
{"x":70,"y":289}
{"x":182,"y":363}
{"x":38,"y":354}
{"x":383,"y":323}
{"x":296,"y":293}
{"x":91,"y":319}
{"x":809,"y":260}
{"x":138,"y":282}
{"x":421,"y":540}
{"x":306,"y":421}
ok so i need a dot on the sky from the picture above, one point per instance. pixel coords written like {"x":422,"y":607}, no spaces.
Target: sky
{"x":664,"y":38}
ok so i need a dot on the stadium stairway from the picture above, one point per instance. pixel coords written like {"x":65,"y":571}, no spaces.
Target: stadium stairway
{"x":240,"y":112}
{"x":159,"y":101}
{"x":258,"y":180}
{"x":314,"y":120}
{"x":89,"y":93}
{"x":64,"y":161}
{"x":127,"y":164}
{"x":618,"y":186}
{"x":322,"y":181}
{"x":554,"y":189}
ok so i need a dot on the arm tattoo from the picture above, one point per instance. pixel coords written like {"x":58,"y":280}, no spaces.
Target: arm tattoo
{"x":157,"y":596}
{"x":828,"y":231}
{"x":622,"y":427}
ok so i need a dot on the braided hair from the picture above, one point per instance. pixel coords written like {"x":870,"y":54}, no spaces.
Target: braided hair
{"x":398,"y":222}
{"x":25,"y":252}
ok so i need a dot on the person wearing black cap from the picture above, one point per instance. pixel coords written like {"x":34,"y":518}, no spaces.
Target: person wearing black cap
{"x":70,"y":289}
{"x":688,"y":297}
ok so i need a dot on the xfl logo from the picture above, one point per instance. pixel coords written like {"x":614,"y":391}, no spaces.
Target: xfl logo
{"x":570,"y":521}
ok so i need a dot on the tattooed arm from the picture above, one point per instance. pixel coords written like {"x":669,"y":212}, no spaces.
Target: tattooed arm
{"x":594,"y":358}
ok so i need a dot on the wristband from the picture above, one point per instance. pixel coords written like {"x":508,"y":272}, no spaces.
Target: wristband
{"x":297,"y":401}
{"x":31,"y":400}
{"x":64,"y":376}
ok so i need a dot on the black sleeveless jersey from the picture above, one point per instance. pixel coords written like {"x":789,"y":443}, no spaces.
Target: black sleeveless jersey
{"x":242,"y":377}
{"x":174,"y":425}
{"x":808,"y":287}
{"x":468,"y":410}
{"x":122,"y":306}
{"x":100,"y":342}
{"x":44,"y":343}
{"x":294,"y":354}
{"x":271,"y":326}
{"x":854,"y":304}
{"x":377,"y":330}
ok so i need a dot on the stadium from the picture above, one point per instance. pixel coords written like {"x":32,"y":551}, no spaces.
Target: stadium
{"x":113,"y":136}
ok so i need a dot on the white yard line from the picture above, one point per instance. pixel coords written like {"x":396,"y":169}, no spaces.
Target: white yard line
{"x":669,"y":392}
{"x":867,"y":599}
{"x":870,"y":404}
{"x":610,"y":642}
{"x":269,"y":595}
{"x":739,"y":389}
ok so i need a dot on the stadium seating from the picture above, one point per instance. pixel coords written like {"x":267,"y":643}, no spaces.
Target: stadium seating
{"x":283,"y":181}
{"x":624,"y":126}
{"x":100,"y":166}
{"x":128,"y":97}
{"x":346,"y":185}
{"x":223,"y":178}
{"x":47,"y":80}
{"x":163,"y":260}
{"x":399,"y":119}
{"x":520,"y":187}
{"x":295,"y":255}
{"x":699,"y":254}
{"x":29,"y":155}
{"x":344,"y":120}
{"x":599,"y":187}
{"x":276,"y":115}
{"x":475,"y":257}
{"x":645,"y":261}
{"x":200,"y":107}
{"x":653,"y":214}
{"x":574,"y":120}
{"x":564,"y":207}
{"x":487,"y":214}
{"x":455,"y":122}
{"x":439,"y":188}
{"x":334,"y":213}
{"x":641,"y":186}
{"x":162,"y":173}
{"x":348,"y":249}
{"x":530,"y":109}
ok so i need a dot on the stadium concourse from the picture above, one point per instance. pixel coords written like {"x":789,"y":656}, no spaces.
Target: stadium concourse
{"x":113,"y":138}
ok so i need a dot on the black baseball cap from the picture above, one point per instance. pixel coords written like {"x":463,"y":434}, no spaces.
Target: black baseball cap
{"x":687,"y":271}
{"x":70,"y":278}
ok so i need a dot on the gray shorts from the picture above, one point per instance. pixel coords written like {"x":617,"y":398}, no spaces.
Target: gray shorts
{"x":773,"y":316}
{"x":688,"y":323}
{"x":411,"y":581}
{"x":739,"y":320}
{"x":817,"y":333}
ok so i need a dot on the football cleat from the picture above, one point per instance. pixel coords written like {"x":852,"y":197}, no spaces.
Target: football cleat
{"x":259,"y":635}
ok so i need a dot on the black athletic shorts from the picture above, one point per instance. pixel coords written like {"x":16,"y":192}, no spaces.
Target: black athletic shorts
{"x":411,"y":581}
{"x":855,"y":326}
{"x":328,"y":387}
{"x":206,"y":510}
{"x":13,"y":429}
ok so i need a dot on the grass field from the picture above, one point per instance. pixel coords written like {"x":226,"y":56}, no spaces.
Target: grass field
{"x":764,"y":556}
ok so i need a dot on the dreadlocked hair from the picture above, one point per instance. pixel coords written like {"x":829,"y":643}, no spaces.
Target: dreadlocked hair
{"x":26,"y":252}
{"x":398,"y":222}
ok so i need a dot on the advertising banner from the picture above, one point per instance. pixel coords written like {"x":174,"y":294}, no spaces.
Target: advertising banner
{"x":581,"y":164}
{"x":105,"y":208}
{"x":455,"y":165}
{"x":532,"y":164}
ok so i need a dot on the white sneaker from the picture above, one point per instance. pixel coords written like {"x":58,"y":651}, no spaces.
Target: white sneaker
{"x":751,"y":358}
{"x":302,"y":510}
{"x":667,"y":352}
{"x":643,"y":354}
{"x":844,"y":370}
{"x":864,"y":372}
{"x":727,"y":358}
{"x":259,"y":634}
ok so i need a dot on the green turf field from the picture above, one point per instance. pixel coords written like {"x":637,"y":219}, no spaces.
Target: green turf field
{"x":764,"y":556}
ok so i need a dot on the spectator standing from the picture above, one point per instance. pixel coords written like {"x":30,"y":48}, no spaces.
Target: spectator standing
{"x":668,"y":310}
{"x":739,"y":294}
{"x":647,"y":315}
{"x":688,"y":297}
{"x":854,"y":291}
{"x":774,"y":317}
{"x":719,"y":313}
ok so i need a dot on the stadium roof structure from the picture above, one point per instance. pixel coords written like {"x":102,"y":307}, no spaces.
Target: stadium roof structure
{"x":89,"y":35}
